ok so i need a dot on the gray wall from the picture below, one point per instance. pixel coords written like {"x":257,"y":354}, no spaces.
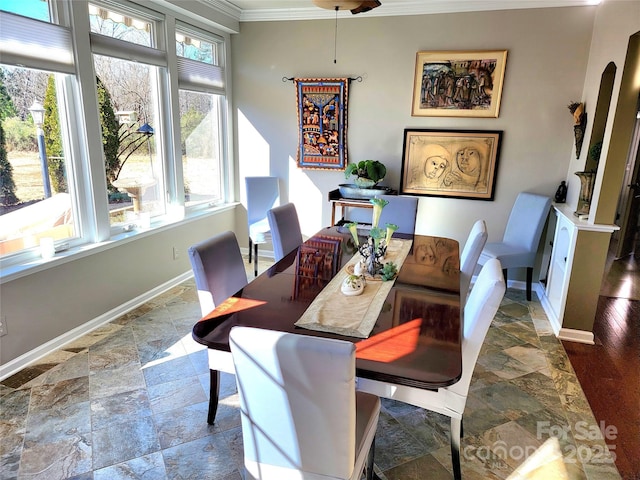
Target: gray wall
{"x":42,"y":306}
{"x":547,"y":57}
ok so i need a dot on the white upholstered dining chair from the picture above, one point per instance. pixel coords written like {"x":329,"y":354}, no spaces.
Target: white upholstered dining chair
{"x":521,"y":237}
{"x":482,"y":305}
{"x":301,"y":415}
{"x":263,"y":193}
{"x":469,"y":257}
{"x":285,"y":229}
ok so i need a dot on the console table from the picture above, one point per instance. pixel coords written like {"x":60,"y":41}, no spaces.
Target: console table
{"x":337,"y":200}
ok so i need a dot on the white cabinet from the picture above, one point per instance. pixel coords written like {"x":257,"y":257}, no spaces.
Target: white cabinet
{"x":560,"y":268}
{"x":558,"y":287}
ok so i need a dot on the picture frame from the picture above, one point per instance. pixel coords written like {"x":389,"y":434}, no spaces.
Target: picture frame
{"x":450,"y":163}
{"x":458,"y":84}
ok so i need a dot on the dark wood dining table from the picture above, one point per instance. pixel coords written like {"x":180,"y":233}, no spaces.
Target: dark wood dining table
{"x":416,"y":340}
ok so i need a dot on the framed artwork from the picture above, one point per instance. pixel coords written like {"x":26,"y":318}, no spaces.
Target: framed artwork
{"x":458,"y":84}
{"x":322,"y":122}
{"x":450,"y":163}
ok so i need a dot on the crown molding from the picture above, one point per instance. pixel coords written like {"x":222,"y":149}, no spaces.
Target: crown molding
{"x":405,"y":7}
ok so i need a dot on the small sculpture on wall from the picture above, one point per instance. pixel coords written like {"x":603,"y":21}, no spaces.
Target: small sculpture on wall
{"x":579,"y":123}
{"x":561,"y":193}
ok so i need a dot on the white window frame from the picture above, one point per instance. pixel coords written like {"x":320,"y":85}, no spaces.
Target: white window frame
{"x":78,"y":93}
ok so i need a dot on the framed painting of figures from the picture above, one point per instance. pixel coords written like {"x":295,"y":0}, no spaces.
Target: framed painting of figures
{"x":450,"y":163}
{"x":322,"y":122}
{"x":458,"y":84}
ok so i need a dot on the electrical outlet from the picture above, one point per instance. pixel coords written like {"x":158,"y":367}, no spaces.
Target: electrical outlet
{"x":3,"y":326}
{"x":176,"y":253}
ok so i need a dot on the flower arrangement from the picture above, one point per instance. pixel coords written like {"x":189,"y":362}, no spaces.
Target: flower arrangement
{"x":375,"y":248}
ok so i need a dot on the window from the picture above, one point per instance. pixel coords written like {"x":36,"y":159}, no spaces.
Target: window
{"x":128,"y":96}
{"x":113,"y":158}
{"x":37,"y":178}
{"x":200,"y":78}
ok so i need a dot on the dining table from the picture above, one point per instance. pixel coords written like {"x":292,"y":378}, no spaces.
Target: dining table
{"x":415,"y":321}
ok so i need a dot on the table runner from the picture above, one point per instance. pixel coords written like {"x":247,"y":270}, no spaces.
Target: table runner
{"x":353,"y":316}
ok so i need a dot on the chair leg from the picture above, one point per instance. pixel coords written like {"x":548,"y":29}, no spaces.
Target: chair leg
{"x":369,"y":466}
{"x":250,"y":248}
{"x":255,"y":260}
{"x":529,"y":281}
{"x":456,"y":427}
{"x":214,"y":392}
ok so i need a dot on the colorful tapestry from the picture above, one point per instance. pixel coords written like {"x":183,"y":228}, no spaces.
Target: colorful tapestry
{"x":322,"y":122}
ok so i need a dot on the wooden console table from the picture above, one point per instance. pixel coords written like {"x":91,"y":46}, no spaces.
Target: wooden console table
{"x":337,"y":201}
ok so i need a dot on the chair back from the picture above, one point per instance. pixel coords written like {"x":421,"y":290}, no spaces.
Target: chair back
{"x":470,"y":255}
{"x":218,"y":269}
{"x":482,"y":305}
{"x":297,"y":401}
{"x":400,"y":211}
{"x":285,"y":229}
{"x":263,"y":193}
{"x":526,"y":222}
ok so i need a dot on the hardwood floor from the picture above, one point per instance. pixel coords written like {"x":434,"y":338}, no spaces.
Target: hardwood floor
{"x":609,"y":371}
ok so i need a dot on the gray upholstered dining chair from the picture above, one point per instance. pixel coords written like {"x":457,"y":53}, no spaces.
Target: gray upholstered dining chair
{"x":469,"y":257}
{"x":219,"y":272}
{"x":301,"y":414}
{"x":285,"y":229}
{"x":521,"y":237}
{"x":400,"y":211}
{"x":263,"y":193}
{"x":218,"y":269}
{"x":482,"y":305}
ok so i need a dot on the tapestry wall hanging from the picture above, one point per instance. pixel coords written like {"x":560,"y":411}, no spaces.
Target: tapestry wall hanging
{"x":322,"y":122}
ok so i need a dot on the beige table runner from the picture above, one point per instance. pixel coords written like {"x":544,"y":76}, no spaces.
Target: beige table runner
{"x":353,"y":316}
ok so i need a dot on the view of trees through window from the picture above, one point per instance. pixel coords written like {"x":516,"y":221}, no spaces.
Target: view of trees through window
{"x":43,"y":161}
{"x":32,"y":169}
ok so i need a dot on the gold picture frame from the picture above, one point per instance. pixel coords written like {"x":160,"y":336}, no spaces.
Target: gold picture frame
{"x":450,"y":163}
{"x":458,"y":84}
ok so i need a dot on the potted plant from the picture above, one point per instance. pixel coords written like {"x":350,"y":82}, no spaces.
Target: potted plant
{"x":594,"y":155}
{"x":367,"y":172}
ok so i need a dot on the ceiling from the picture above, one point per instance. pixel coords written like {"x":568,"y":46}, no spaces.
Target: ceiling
{"x":265,"y":10}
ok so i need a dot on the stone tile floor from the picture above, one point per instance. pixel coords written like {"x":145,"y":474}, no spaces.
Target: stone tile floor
{"x":129,"y":401}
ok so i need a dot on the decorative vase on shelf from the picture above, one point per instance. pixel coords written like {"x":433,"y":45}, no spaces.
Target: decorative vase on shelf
{"x":587,"y":180}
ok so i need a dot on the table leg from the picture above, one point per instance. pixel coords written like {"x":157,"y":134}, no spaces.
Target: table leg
{"x":333,"y":214}
{"x":214,"y":391}
{"x":456,"y":431}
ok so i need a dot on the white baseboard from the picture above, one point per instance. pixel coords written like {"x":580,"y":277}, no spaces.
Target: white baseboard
{"x":17,"y":364}
{"x":569,"y":334}
{"x":580,"y":336}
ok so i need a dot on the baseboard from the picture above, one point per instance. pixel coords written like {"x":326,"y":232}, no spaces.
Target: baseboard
{"x":579,"y":336}
{"x":17,"y":364}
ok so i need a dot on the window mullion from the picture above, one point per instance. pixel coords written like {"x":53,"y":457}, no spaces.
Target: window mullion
{"x":96,"y":191}
{"x":175,"y":180}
